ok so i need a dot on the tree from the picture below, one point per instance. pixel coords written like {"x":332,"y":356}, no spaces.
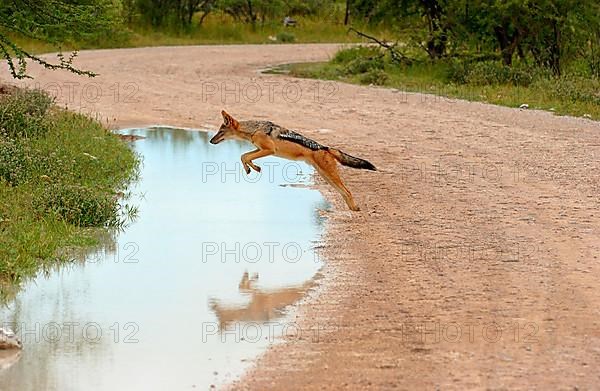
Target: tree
{"x":430,"y":15}
{"x":252,"y":11}
{"x":242,"y":10}
{"x":157,"y":11}
{"x":191,"y":7}
{"x":51,"y":21}
{"x":550,"y":32}
{"x":347,"y":13}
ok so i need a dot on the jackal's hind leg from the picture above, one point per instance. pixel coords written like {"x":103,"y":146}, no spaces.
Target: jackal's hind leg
{"x":326,"y":165}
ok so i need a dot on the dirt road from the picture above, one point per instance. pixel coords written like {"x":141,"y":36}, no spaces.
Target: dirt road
{"x":474,"y":261}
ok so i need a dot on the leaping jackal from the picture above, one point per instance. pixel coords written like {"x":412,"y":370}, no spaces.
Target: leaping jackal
{"x":271,"y":139}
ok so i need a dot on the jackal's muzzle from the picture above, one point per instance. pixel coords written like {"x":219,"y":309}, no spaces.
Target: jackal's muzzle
{"x":217,"y":138}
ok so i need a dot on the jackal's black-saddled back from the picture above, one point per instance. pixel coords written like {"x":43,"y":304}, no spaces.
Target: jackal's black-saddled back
{"x":300,"y":139}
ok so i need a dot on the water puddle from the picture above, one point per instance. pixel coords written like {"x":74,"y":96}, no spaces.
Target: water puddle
{"x":188,"y":294}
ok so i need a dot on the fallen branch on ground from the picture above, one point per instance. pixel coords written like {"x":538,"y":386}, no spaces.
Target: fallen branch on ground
{"x":396,"y":55}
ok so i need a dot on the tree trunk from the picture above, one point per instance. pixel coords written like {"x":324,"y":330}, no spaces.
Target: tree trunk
{"x":251,"y":15}
{"x":191,"y":9}
{"x":555,"y":50}
{"x":204,"y":15}
{"x":506,"y":42}
{"x":347,"y":16}
{"x":436,"y":45}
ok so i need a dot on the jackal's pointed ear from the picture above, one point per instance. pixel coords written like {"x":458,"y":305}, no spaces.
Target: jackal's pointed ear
{"x":229,"y":121}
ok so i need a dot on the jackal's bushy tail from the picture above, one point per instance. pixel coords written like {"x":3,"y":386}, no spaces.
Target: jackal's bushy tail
{"x":351,"y":161}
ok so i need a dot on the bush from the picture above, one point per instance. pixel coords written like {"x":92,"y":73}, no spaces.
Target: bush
{"x":484,"y":73}
{"x":78,"y":205}
{"x":358,"y":60}
{"x":284,"y":36}
{"x":363,"y":65}
{"x":13,"y":167}
{"x":521,"y":75}
{"x":488,"y":73}
{"x":458,"y":72}
{"x":571,"y":88}
{"x":344,"y":56}
{"x":23,"y":113}
{"x":594,"y":65}
{"x":374,"y":76}
{"x":59,"y":172}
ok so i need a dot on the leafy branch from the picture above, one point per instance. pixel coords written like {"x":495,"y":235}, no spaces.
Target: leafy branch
{"x":54,"y":22}
{"x":19,"y":71}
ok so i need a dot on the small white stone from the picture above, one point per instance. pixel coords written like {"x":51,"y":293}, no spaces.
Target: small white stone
{"x":9,"y":340}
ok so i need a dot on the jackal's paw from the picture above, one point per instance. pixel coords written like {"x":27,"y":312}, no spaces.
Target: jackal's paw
{"x":256,"y":168}
{"x":247,"y":169}
{"x":355,"y":208}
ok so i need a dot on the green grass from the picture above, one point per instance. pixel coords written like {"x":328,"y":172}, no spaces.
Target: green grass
{"x":59,"y":176}
{"x":572,"y":94}
{"x":216,"y":29}
{"x":222,"y":30}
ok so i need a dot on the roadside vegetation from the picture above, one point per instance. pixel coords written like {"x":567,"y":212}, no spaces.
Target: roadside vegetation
{"x":574,"y":93}
{"x":62,"y":177}
{"x":28,"y":29}
{"x":544,"y":53}
{"x":217,"y":29}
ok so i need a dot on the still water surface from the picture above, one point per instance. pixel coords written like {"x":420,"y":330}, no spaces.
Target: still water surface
{"x":190,"y":292}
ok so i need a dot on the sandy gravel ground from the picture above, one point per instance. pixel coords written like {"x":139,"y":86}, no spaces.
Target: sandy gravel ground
{"x":474,"y":261}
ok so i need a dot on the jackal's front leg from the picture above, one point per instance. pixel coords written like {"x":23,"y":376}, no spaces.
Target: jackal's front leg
{"x":249,"y":156}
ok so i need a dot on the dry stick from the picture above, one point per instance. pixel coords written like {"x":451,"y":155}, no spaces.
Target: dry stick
{"x":396,"y":55}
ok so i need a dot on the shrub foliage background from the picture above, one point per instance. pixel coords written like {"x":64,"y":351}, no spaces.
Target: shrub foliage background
{"x":548,"y":34}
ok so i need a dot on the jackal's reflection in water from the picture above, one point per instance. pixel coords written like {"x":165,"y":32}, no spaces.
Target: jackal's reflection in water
{"x":264,"y":305}
{"x":8,"y":358}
